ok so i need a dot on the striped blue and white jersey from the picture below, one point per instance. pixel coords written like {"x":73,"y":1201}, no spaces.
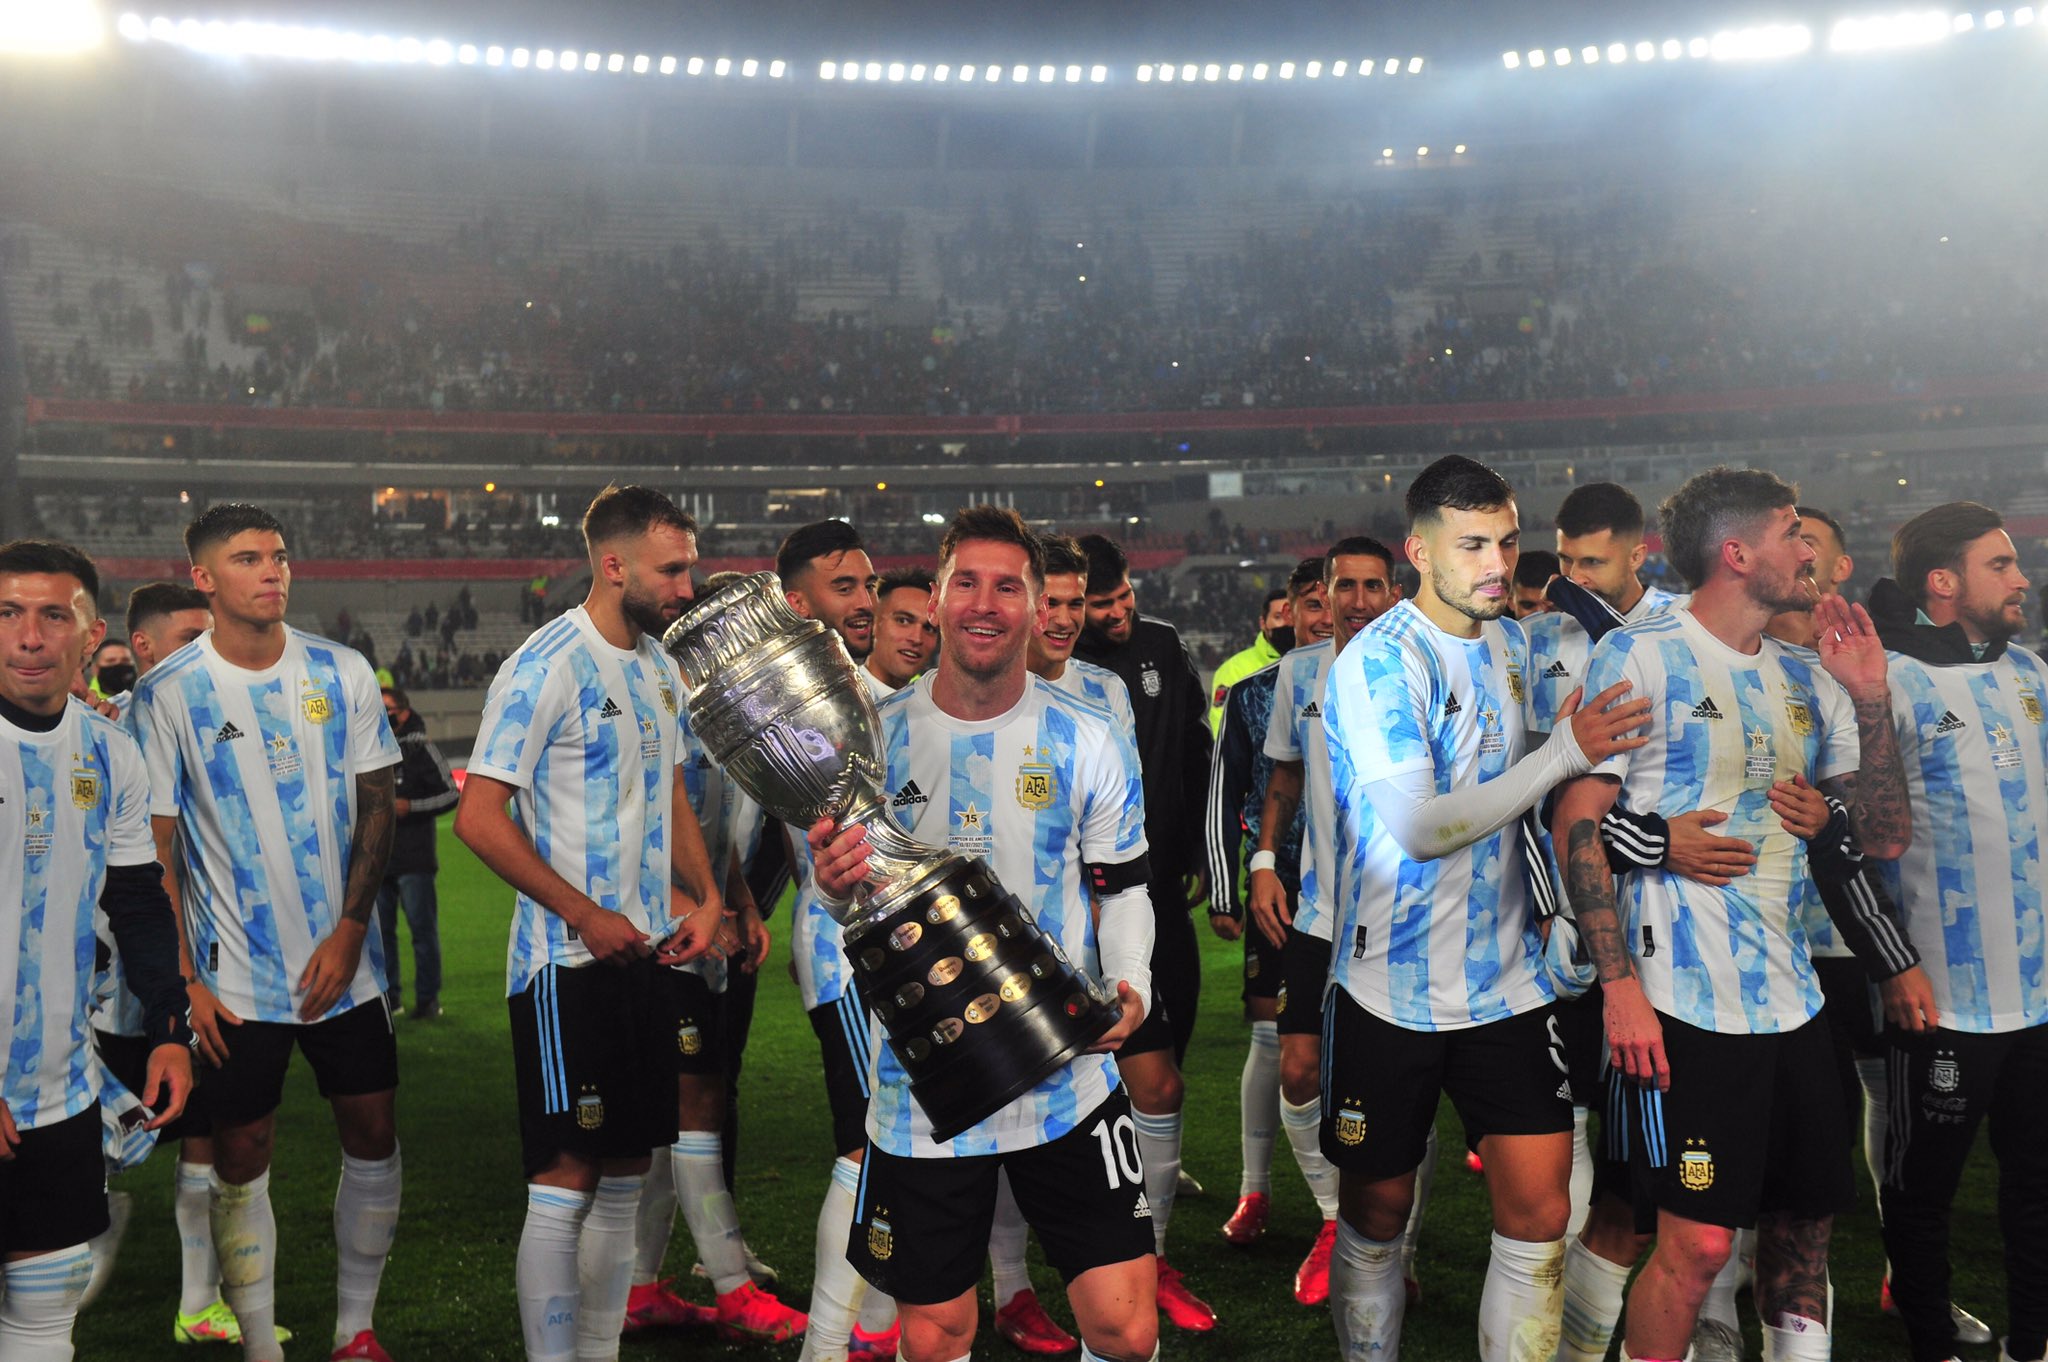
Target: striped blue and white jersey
{"x":587,"y":734}
{"x":1450,"y":943}
{"x":1560,"y":648}
{"x":259,"y":768}
{"x":73,"y":801}
{"x":115,"y":1008}
{"x":1974,"y":738}
{"x":1294,"y":732}
{"x":1724,"y":727}
{"x":1036,"y":792}
{"x":1101,"y":687}
{"x":817,"y":943}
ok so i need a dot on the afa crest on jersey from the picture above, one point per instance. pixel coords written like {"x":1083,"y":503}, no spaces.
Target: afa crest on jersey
{"x":881,"y":1243}
{"x":1695,"y":1168}
{"x":1350,"y":1125}
{"x":689,"y":1040}
{"x":1944,"y":1074}
{"x":2030,"y":705}
{"x":589,"y":1111}
{"x":316,"y":705}
{"x":1148,"y":678}
{"x":1515,"y":690}
{"x":85,"y":788}
{"x":1036,"y":787}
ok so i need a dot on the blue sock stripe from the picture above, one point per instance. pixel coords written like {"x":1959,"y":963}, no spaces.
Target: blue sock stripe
{"x":699,"y":1143}
{"x":547,"y":1196}
{"x":860,"y":1191}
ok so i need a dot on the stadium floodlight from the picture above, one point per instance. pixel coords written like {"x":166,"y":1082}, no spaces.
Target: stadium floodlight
{"x":440,"y":52}
{"x":1287,"y":70}
{"x":1166,"y":73}
{"x":966,"y":73}
{"x":1590,"y":55}
{"x":494,"y":55}
{"x":828,"y":70}
{"x":133,"y":27}
{"x":1393,"y":66}
{"x":1098,"y":74}
{"x":1672,"y":49}
{"x":1646,"y":51}
{"x":1145,"y":74}
{"x":1046,"y":75}
{"x":410,"y":50}
{"x":467,"y":54}
{"x":1995,"y":19}
{"x":723,"y":67}
{"x":1020,"y":75}
{"x":1511,"y":60}
{"x":1561,"y":57}
{"x":591,"y":61}
{"x":520,"y":57}
{"x":1312,"y":70}
{"x":1236,"y":71}
{"x":1537,"y":59}
{"x":1073,"y":74}
{"x":1911,"y":29}
{"x":1964,"y":23}
{"x":779,"y":68}
{"x":2023,"y":16}
{"x":1458,"y":150}
{"x":668,"y":66}
{"x":1761,"y":44}
{"x":1212,"y":72}
{"x":1617,"y":52}
{"x":750,"y":68}
{"x":50,"y":27}
{"x":896,"y":70}
{"x":1338,"y":68}
{"x":1415,"y":66}
{"x":615,"y":63}
{"x":1259,"y":70}
{"x":641,"y":64}
{"x":871,"y":71}
{"x":695,"y":66}
{"x":544,"y":59}
{"x":1188,"y":71}
{"x":916,"y":71}
{"x":1697,"y":48}
{"x":1421,"y":153}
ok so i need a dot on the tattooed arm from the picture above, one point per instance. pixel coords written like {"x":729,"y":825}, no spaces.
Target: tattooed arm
{"x":1634,"y":1034}
{"x":1876,"y":791}
{"x":334,"y":960}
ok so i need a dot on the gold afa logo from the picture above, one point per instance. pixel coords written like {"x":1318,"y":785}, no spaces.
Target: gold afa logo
{"x":318,"y":708}
{"x":1035,"y":786}
{"x":880,"y":1242}
{"x":85,"y":789}
{"x":1350,"y":1126}
{"x":1696,"y":1170}
{"x":590,"y":1111}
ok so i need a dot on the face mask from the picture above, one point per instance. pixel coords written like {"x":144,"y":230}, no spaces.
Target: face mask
{"x":116,"y":677}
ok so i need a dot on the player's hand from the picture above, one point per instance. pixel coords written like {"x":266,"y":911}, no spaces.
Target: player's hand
{"x":401,"y":807}
{"x":1607,"y":725}
{"x":1134,"y":1015}
{"x":705,"y":931}
{"x":209,"y":1014}
{"x":331,"y":969}
{"x":610,"y":939}
{"x":107,"y":708}
{"x":1195,"y":884}
{"x":1909,"y":1001}
{"x":1801,"y":808}
{"x":1700,"y":855}
{"x":1226,"y":926}
{"x":1634,"y":1034}
{"x":755,"y":940}
{"x":10,"y":1138}
{"x":168,"y":1084}
{"x":839,"y":859}
{"x":1268,"y":903}
{"x":1849,"y":647}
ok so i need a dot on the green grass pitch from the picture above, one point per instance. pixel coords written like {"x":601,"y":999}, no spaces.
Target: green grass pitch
{"x":447,"y":1295}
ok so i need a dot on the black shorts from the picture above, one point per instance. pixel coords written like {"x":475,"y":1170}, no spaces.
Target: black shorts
{"x":1176,"y":984}
{"x":844,"y":1040}
{"x":1262,"y":977}
{"x":696,"y":1012}
{"x":127,"y":1059}
{"x":593,"y":1053}
{"x":352,"y":1054}
{"x":1304,"y":978}
{"x":1381,"y":1084}
{"x":1750,"y":1123}
{"x":1855,"y":1016}
{"x":921,"y":1226}
{"x":1582,"y":1021}
{"x":53,"y":1192}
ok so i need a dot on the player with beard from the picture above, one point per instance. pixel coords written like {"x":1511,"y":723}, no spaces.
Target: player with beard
{"x":580,"y":737}
{"x":1174,"y":746}
{"x":1708,"y":990}
{"x":905,"y":637}
{"x":1968,"y":704}
{"x":1440,"y":986}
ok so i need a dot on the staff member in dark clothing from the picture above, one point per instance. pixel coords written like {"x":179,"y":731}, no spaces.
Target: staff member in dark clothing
{"x":1173,"y":741}
{"x":426,"y":790}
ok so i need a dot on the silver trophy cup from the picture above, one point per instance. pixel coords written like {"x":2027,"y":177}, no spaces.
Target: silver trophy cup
{"x":979,"y":1003}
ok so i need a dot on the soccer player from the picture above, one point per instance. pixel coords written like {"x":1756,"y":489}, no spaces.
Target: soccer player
{"x":1239,"y":773}
{"x":1440,"y":984}
{"x":828,"y":577}
{"x":580,"y":738}
{"x":1708,"y":990}
{"x":961,"y":734}
{"x":270,"y":767}
{"x":74,"y":838}
{"x":1533,"y":571}
{"x":1968,"y":706}
{"x":1173,"y":748}
{"x":905,"y":636}
{"x":1275,"y":638}
{"x":1358,"y":587}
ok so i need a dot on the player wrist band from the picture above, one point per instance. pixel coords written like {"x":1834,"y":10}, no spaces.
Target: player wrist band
{"x":1264,"y":860}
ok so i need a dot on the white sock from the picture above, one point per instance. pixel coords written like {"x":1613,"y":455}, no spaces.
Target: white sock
{"x":1304,"y":1136}
{"x":106,"y":1246}
{"x":604,"y":1266}
{"x":1522,"y":1304}
{"x":1159,"y":1151}
{"x":365,"y":1220}
{"x":708,"y":1209}
{"x":877,"y":1312}
{"x":1594,"y":1291}
{"x":836,"y":1289}
{"x":1258,"y":1106}
{"x":199,"y":1265}
{"x":1582,"y":1175}
{"x":1367,"y":1298}
{"x":245,"y":1233}
{"x":1006,"y":1238}
{"x":1877,"y":1116}
{"x":549,"y":1291}
{"x":1804,"y":1340}
{"x":1719,"y":1304}
{"x":1425,"y":1179}
{"x":655,"y":1223}
{"x":39,"y":1299}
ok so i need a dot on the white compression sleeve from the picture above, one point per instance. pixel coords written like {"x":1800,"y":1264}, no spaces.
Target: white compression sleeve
{"x":1123,"y":941}
{"x":1427,"y":825}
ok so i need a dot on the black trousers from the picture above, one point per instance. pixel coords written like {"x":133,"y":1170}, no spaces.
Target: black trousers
{"x":1943,"y":1086}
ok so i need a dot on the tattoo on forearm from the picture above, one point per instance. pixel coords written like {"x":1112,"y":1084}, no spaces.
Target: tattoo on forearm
{"x":369,"y":843}
{"x":1877,"y":801}
{"x":1590,"y":882}
{"x":1791,"y":1268}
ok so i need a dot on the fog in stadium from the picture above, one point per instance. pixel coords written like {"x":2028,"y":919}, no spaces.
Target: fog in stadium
{"x":1214,"y":281}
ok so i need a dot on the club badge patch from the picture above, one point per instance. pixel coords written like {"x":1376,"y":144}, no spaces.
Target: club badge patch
{"x":85,"y":789}
{"x":1350,"y":1125}
{"x":881,"y":1243}
{"x":1035,"y":787}
{"x":589,"y":1110}
{"x":1695,"y":1167}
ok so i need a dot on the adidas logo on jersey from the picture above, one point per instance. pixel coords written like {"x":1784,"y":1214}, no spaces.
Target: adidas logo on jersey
{"x":1311,"y":710}
{"x":1451,"y":706}
{"x":1705,"y":710}
{"x":610,"y":710}
{"x":1557,"y":668}
{"x":228,"y":733}
{"x":1950,"y":723}
{"x":909,"y":795}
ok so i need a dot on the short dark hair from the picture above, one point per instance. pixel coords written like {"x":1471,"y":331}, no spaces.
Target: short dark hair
{"x":1936,"y":539}
{"x":998,"y":524}
{"x":631,"y":509}
{"x":1307,"y":573}
{"x":1356,"y":546}
{"x":1537,"y":566}
{"x":1063,"y":555}
{"x":719,"y":581}
{"x":224,"y":520}
{"x":1600,"y":506}
{"x":1455,"y":483}
{"x":898,"y":579}
{"x":1273,"y":593}
{"x":1710,"y":506}
{"x":154,"y":600}
{"x":1107,"y":565}
{"x":1816,"y":513}
{"x":55,"y":558}
{"x":814,"y":541}
{"x":398,"y":696}
{"x":109,"y":642}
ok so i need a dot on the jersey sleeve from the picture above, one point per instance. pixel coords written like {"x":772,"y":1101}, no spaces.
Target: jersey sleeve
{"x":1841,"y":751}
{"x":521,"y":717}
{"x":1614,"y":660}
{"x":1113,"y":805}
{"x":1381,"y":690}
{"x":1280,"y":739}
{"x":156,"y":731}
{"x":1230,"y":779}
{"x":129,"y":839}
{"x":371,"y":746}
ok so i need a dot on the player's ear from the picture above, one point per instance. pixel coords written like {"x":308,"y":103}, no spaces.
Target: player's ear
{"x":1418,"y":552}
{"x":1845,"y":569}
{"x":1637,"y":555}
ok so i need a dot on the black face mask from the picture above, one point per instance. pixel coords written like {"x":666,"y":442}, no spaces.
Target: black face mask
{"x":1282,"y":638}
{"x":116,"y":677}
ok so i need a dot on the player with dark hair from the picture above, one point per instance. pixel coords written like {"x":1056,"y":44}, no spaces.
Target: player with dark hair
{"x":827,"y":575}
{"x":1533,"y":571}
{"x":1174,"y":746}
{"x":905,"y":637}
{"x":1276,"y":628}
